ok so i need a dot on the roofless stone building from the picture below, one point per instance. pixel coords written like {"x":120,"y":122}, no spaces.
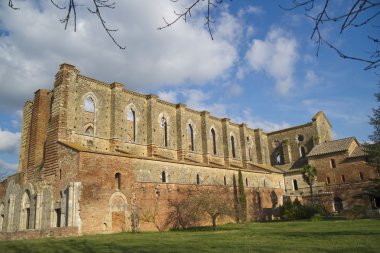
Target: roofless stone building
{"x":94,"y":155}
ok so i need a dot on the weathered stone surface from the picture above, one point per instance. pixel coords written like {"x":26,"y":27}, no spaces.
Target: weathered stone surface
{"x":95,"y":156}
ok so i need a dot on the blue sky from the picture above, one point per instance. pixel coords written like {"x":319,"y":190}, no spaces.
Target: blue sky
{"x":261,"y":68}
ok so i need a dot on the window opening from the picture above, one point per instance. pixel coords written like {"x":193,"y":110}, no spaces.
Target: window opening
{"x":213,"y":141}
{"x":89,"y":105}
{"x":295,"y":185}
{"x":233,"y":147}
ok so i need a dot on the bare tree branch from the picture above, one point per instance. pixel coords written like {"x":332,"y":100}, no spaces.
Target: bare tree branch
{"x":70,"y":6}
{"x":10,"y":4}
{"x":105,"y":4}
{"x":186,"y":13}
{"x":355,"y":16}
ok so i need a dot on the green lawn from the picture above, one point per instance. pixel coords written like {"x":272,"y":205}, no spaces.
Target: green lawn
{"x":299,"y":236}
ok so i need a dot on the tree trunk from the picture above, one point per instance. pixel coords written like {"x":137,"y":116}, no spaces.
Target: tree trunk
{"x":311,"y":194}
{"x":214,"y":222}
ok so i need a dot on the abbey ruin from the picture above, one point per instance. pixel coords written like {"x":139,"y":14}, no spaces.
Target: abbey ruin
{"x":94,"y":155}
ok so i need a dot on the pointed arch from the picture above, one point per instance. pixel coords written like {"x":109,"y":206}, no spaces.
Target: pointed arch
{"x":164,"y":124}
{"x":213,"y":137}
{"x":191,"y":136}
{"x":303,"y":152}
{"x":118,"y":181}
{"x":163,"y":177}
{"x":89,"y":104}
{"x":118,"y":219}
{"x":338,"y":204}
{"x":89,"y":113}
{"x":25,"y":218}
{"x":233,"y":151}
{"x":250,"y":153}
{"x":2,"y":216}
{"x":89,"y":130}
{"x":278,"y":158}
{"x":295,"y":185}
{"x":131,"y":124}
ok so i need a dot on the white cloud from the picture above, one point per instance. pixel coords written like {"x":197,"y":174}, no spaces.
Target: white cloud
{"x":199,"y":100}
{"x":276,"y":56}
{"x":4,"y":166}
{"x":254,"y":123}
{"x":170,"y":96}
{"x":309,"y":102}
{"x":311,"y":79}
{"x":31,"y":54}
{"x":250,"y":31}
{"x":256,"y":10}
{"x":228,"y":28}
{"x":234,"y":90}
{"x":240,"y":73}
{"x":10,"y":142}
{"x":17,"y":119}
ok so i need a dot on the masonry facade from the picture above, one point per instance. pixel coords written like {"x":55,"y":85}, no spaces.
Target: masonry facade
{"x":93,"y":155}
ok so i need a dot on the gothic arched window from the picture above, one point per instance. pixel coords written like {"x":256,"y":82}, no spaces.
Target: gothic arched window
{"x":213,"y":136}
{"x":89,"y":105}
{"x":191,"y":137}
{"x":131,"y":124}
{"x":233,"y":147}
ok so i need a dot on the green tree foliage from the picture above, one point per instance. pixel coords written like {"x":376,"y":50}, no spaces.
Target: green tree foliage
{"x":309,"y":174}
{"x":295,"y":210}
{"x":236,"y":200}
{"x":374,"y":148}
{"x":242,"y":198}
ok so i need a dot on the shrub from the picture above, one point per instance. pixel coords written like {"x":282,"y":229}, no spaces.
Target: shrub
{"x":317,"y":217}
{"x":355,"y":212}
{"x":295,"y":210}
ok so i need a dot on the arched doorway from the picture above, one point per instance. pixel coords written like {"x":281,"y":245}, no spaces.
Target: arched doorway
{"x":118,"y":213}
{"x":2,"y":211}
{"x":338,"y":204}
{"x":25,"y":211}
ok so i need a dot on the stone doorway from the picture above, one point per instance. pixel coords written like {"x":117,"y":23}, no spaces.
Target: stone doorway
{"x":118,"y":214}
{"x":118,"y":221}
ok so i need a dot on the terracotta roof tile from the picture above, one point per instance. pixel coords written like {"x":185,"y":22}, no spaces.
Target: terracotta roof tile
{"x":359,"y":151}
{"x":332,"y":146}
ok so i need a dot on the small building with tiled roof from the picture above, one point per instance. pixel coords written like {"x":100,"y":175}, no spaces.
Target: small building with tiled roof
{"x":342,"y":166}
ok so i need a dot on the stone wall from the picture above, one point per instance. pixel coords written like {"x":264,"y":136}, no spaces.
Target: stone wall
{"x":111,"y":131}
{"x":290,"y":146}
{"x":95,"y":156}
{"x":42,"y":233}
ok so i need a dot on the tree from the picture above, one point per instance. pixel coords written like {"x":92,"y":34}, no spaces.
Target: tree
{"x":242,"y":198}
{"x":188,"y":210}
{"x":150,"y":213}
{"x":183,"y":211}
{"x":374,"y":148}
{"x":70,"y":8}
{"x":358,"y":14}
{"x":214,"y":203}
{"x":309,"y":174}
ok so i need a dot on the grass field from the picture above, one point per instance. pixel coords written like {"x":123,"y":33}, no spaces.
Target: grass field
{"x":298,"y":236}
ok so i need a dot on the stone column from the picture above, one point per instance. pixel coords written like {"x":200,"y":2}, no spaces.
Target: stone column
{"x":205,"y":135}
{"x":74,"y":189}
{"x":151,"y":112}
{"x":181,"y":131}
{"x":286,"y":150}
{"x":226,"y":140}
{"x":243,"y":143}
